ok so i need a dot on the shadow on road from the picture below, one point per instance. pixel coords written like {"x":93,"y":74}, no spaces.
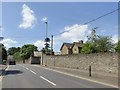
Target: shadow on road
{"x":12,"y":72}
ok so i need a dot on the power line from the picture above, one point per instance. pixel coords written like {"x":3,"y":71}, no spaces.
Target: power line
{"x":101,"y":16}
{"x":79,"y":26}
{"x":90,"y":21}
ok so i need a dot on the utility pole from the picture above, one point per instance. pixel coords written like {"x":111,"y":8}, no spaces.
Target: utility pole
{"x":46,"y":37}
{"x":46,"y":28}
{"x":52,"y":44}
{"x":47,"y":40}
{"x":1,"y":38}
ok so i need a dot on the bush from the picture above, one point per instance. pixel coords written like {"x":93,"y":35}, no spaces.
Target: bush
{"x":117,"y":48}
{"x":87,"y":48}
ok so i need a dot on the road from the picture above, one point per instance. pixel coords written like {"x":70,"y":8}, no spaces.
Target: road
{"x":32,"y":76}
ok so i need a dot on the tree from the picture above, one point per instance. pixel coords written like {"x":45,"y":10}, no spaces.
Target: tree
{"x":103,"y":44}
{"x":27,"y":50}
{"x":47,"y":46}
{"x":117,"y":47}
{"x":100,"y":43}
{"x":17,"y":56}
{"x":43,"y":50}
{"x":3,"y":52}
{"x":92,"y":36}
{"x":87,"y":48}
{"x":13,"y":50}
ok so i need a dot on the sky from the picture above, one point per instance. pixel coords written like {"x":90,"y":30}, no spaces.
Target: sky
{"x":24,"y":22}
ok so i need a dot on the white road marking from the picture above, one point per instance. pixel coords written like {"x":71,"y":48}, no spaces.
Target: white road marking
{"x":48,"y":80}
{"x":1,"y":78}
{"x":27,"y":68}
{"x":7,"y":67}
{"x":114,"y":86}
{"x":32,"y":71}
{"x":41,"y":77}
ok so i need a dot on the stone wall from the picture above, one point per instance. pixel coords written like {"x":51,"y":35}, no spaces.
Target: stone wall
{"x":104,"y":62}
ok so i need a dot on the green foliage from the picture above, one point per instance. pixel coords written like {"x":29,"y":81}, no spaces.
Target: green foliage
{"x":3,"y":52}
{"x":103,"y":44}
{"x":87,"y":48}
{"x":27,"y":50}
{"x":43,"y":50}
{"x":46,"y":50}
{"x":22,"y":53}
{"x":100,"y":43}
{"x":117,"y":47}
{"x":17,"y":56}
{"x":13,"y":50}
{"x":92,"y":36}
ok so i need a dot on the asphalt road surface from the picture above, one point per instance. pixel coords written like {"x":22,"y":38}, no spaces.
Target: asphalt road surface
{"x":31,"y":76}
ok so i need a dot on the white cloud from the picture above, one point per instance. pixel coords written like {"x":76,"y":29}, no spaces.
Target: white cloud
{"x":8,"y":42}
{"x":115,"y":38}
{"x":28,"y":17}
{"x":44,"y":19}
{"x":72,"y":34}
{"x":39,"y":44}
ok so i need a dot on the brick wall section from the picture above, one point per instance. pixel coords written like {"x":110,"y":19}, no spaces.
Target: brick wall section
{"x":105,"y":62}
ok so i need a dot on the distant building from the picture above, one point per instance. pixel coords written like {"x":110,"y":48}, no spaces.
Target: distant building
{"x":71,"y":48}
{"x":77,"y":47}
{"x":57,"y":53}
{"x":66,"y":48}
{"x":37,"y":53}
{"x":36,"y":58}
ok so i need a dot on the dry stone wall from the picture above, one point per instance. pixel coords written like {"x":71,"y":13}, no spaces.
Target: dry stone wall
{"x":104,"y":62}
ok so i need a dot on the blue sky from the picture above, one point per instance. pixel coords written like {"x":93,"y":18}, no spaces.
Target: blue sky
{"x":22,"y":22}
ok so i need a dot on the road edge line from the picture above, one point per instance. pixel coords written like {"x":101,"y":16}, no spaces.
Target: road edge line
{"x":80,"y":77}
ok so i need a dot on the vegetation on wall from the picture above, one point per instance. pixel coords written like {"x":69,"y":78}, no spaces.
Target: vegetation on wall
{"x":97,"y":43}
{"x":117,"y":47}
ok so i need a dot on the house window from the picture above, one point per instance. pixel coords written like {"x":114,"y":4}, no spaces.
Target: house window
{"x":75,"y":49}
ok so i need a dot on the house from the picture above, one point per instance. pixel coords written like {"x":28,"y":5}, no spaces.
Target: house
{"x":36,"y":58}
{"x":66,"y":48}
{"x":71,"y":48}
{"x":77,"y":47}
{"x":57,"y":53}
{"x":37,"y":53}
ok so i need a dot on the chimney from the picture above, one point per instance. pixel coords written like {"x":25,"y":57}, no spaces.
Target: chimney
{"x":81,"y":41}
